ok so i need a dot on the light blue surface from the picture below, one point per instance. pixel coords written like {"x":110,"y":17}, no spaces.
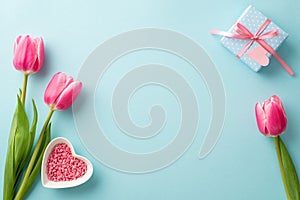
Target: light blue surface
{"x":243,"y":165}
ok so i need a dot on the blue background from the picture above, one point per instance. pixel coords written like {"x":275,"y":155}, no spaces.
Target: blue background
{"x":243,"y":165}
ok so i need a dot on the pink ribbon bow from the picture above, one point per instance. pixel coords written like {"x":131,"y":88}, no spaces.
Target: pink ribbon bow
{"x":244,"y":34}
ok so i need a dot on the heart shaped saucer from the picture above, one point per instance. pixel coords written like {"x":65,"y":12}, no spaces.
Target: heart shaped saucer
{"x":62,"y":168}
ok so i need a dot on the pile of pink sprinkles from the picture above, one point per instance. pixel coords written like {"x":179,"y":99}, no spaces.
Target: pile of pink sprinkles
{"x":63,"y":166}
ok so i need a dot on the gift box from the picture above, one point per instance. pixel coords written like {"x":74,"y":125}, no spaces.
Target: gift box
{"x":255,"y":56}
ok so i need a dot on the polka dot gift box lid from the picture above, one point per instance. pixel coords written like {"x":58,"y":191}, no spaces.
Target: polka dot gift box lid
{"x":255,"y":56}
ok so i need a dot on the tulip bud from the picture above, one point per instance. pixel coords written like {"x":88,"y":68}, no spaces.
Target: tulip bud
{"x":28,"y":54}
{"x":61,"y":91}
{"x":271,"y":117}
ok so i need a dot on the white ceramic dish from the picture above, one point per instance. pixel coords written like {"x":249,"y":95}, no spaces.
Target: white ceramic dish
{"x":63,"y":184}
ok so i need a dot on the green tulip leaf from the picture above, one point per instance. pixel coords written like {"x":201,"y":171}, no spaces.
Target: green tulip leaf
{"x":19,"y":139}
{"x":292,"y":181}
{"x":33,"y":126}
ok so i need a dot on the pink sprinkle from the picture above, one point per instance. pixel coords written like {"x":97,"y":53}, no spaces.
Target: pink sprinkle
{"x":63,"y":166}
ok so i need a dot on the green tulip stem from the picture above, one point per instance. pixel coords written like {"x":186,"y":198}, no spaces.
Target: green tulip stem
{"x":23,"y":97}
{"x":21,"y":193}
{"x":277,"y":146}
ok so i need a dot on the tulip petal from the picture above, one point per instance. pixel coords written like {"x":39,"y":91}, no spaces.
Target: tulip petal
{"x":276,"y":117}
{"x":277,"y":100}
{"x":20,"y":53}
{"x":17,"y":42}
{"x":39,"y":48}
{"x":261,"y":119}
{"x":68,"y":96}
{"x":31,"y":56}
{"x":55,"y":87}
{"x":39,"y":56}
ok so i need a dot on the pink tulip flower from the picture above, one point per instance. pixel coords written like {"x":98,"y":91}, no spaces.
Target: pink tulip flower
{"x":271,"y":117}
{"x":28,"y":54}
{"x":61,"y":91}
